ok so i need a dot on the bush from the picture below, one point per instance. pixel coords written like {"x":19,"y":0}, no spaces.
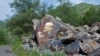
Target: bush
{"x":2,"y":37}
{"x":19,"y":51}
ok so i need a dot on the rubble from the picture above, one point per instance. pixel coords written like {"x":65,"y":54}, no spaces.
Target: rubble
{"x":96,"y":52}
{"x":89,"y":45}
{"x":94,"y":29}
{"x":96,"y":24}
{"x":98,"y":40}
{"x":72,"y":48}
{"x":53,"y":34}
{"x":26,"y":46}
{"x":86,"y":27}
{"x":56,"y":45}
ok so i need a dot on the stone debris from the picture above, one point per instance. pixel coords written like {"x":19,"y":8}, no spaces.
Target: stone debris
{"x":56,"y":45}
{"x":86,"y":28}
{"x":95,"y":52}
{"x":72,"y":48}
{"x":94,"y":29}
{"x":52,"y":33}
{"x":26,"y":46}
{"x":89,"y":45}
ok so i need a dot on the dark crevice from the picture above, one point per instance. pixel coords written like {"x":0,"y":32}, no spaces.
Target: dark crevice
{"x":67,"y":41}
{"x":81,"y":52}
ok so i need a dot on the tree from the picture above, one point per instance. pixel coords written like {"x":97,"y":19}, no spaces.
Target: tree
{"x":91,"y":16}
{"x":21,"y":22}
{"x":3,"y":40}
{"x":66,"y":12}
{"x":26,"y":10}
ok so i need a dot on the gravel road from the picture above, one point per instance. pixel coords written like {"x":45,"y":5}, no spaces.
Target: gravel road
{"x":6,"y":51}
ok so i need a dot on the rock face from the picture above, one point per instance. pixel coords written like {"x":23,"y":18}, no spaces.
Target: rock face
{"x":48,"y":28}
{"x":72,"y":48}
{"x":89,"y":45}
{"x":43,"y":30}
{"x":52,"y":33}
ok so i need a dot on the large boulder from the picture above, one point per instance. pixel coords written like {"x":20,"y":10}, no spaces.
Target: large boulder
{"x":43,"y":30}
{"x":89,"y":45}
{"x":48,"y":28}
{"x":72,"y":48}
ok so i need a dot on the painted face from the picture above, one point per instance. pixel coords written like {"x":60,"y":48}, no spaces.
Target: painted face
{"x":48,"y":26}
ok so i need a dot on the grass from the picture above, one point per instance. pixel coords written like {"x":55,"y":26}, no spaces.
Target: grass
{"x":19,"y":51}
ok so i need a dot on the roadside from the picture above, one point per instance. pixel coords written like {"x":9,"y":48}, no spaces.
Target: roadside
{"x":5,"y":50}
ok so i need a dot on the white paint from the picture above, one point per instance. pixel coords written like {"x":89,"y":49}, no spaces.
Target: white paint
{"x":48,"y":26}
{"x":40,"y":35}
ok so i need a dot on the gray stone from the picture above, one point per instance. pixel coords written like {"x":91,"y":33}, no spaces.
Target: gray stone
{"x":26,"y":46}
{"x":89,"y":45}
{"x":94,"y":29}
{"x":72,"y":48}
{"x":86,"y":27}
{"x":35,"y":23}
{"x":95,"y":52}
{"x":56,"y":45}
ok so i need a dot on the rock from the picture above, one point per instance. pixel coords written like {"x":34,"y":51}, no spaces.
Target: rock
{"x":80,"y":29}
{"x":56,"y":45}
{"x":35,"y":23}
{"x":71,"y":27}
{"x":32,"y":43}
{"x":82,"y":35}
{"x":98,"y":40}
{"x":96,"y":24}
{"x":70,"y":35}
{"x":52,"y":33}
{"x":25,"y":39}
{"x":86,"y":27}
{"x":95,"y":52}
{"x":43,"y":31}
{"x":26,"y":46}
{"x":58,"y":18}
{"x":95,"y":36}
{"x":89,"y":45}
{"x":94,"y":29}
{"x":72,"y":48}
{"x":49,"y":28}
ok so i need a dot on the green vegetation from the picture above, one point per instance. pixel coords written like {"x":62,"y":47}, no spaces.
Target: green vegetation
{"x":19,"y":51}
{"x":91,"y":16}
{"x":3,"y":39}
{"x":25,"y":10}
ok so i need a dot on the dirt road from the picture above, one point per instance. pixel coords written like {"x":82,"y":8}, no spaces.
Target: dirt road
{"x":6,"y":51}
